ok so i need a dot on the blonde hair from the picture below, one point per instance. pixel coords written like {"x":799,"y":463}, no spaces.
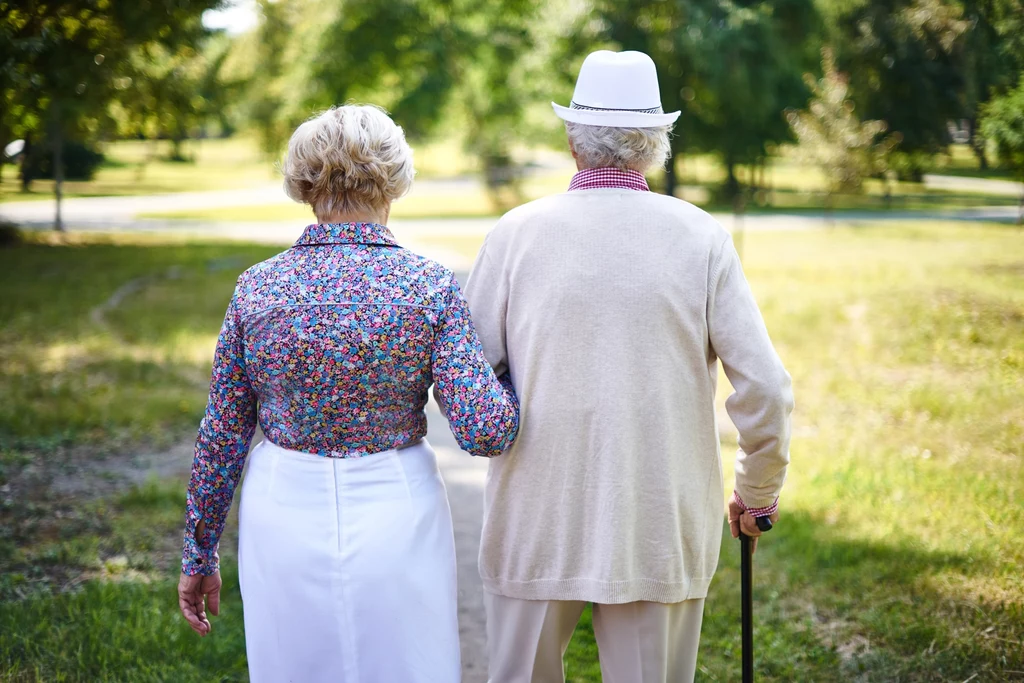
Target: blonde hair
{"x":635,"y":149}
{"x":350,"y":158}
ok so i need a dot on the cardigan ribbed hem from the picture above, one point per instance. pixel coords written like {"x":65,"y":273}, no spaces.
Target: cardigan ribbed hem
{"x":601,"y":592}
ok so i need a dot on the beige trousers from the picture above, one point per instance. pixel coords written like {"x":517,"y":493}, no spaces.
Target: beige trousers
{"x":638,"y":642}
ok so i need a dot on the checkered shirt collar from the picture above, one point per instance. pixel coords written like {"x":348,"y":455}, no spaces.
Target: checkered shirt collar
{"x":605,"y":178}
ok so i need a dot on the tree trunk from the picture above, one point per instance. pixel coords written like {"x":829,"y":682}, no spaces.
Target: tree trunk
{"x":176,"y":153}
{"x":1020,"y":210}
{"x":732,"y":183}
{"x":57,"y":139}
{"x":26,"y":165}
{"x":977,"y":143}
{"x":671,"y":180}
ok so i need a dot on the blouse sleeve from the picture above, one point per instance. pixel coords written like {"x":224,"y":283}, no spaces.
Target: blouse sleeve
{"x":482,"y":409}
{"x":221,"y":448}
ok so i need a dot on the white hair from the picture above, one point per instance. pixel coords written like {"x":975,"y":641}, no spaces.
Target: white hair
{"x":635,"y":149}
{"x":351,"y":158}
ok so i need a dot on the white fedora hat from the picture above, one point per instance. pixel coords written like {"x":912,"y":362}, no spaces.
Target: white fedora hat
{"x":618,"y":89}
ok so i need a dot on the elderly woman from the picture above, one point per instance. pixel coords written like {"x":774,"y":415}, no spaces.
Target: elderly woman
{"x":346,"y":552}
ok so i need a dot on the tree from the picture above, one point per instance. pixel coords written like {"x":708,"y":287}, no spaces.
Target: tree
{"x":173,"y":94}
{"x":421,"y":59}
{"x":62,"y":59}
{"x":905,"y":60}
{"x":731,"y":67}
{"x":993,"y":57}
{"x":1003,"y":122}
{"x":831,"y":137}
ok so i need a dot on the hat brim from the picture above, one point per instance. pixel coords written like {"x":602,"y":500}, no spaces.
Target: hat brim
{"x":615,"y":119}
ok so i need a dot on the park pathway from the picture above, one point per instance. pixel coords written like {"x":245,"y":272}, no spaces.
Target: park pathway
{"x":464,"y":477}
{"x":122,"y":214}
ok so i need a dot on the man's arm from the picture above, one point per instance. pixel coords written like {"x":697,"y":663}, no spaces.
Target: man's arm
{"x":487,"y":296}
{"x":762,"y":402}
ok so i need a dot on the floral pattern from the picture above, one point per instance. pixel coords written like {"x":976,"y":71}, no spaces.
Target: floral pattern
{"x":331,"y":347}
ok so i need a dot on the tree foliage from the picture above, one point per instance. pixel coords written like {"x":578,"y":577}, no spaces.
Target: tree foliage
{"x":174,"y":94}
{"x":63,"y":60}
{"x":427,"y":62}
{"x":732,"y":67}
{"x":831,"y":137}
{"x":921,"y":64}
{"x":1003,"y":123}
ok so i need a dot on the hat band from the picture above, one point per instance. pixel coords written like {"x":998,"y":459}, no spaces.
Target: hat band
{"x":653,"y":110}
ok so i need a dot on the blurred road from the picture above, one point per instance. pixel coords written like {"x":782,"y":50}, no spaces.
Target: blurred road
{"x":957,"y":183}
{"x":121,"y":213}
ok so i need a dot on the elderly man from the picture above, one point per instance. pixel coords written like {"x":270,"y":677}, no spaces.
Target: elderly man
{"x":610,"y":306}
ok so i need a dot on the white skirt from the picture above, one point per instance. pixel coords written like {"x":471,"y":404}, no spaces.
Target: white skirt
{"x":347,"y":568}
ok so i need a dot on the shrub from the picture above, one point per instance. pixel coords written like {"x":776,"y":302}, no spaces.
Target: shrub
{"x":10,"y":235}
{"x":80,"y":161}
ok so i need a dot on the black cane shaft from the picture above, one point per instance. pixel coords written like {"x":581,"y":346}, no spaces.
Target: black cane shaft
{"x":747,"y":597}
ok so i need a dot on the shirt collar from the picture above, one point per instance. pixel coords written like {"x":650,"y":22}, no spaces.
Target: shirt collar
{"x":347,"y":233}
{"x":604,"y":178}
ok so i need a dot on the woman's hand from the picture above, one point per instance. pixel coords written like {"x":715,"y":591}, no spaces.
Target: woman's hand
{"x":193,"y":594}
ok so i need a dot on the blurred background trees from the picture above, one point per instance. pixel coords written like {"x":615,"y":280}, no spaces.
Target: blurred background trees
{"x":66,"y":61}
{"x":831,"y":137}
{"x":481,"y":73}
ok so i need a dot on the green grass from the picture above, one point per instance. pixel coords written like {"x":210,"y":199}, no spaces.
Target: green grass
{"x":899,"y":550}
{"x":87,"y":586}
{"x":898,"y":556}
{"x":118,"y":620}
{"x":136,"y":167}
{"x":73,"y":371}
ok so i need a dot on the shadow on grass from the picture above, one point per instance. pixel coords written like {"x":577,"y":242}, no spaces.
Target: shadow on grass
{"x":87,"y":331}
{"x":830,"y":608}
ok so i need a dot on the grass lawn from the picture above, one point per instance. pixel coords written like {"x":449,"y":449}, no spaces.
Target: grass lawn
{"x":898,"y":556}
{"x":135,"y":167}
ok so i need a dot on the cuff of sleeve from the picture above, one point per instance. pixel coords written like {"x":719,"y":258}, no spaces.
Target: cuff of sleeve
{"x":195,"y":560}
{"x":758,"y":512}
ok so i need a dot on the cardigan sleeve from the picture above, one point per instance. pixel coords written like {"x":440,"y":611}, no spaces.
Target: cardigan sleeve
{"x":221,"y":448}
{"x":762,"y":402}
{"x":487,"y":296}
{"x":482,"y":409}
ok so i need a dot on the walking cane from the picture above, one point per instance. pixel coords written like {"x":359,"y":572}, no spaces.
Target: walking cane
{"x":746,"y":596}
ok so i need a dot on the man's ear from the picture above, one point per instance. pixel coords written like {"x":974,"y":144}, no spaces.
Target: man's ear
{"x":572,"y":150}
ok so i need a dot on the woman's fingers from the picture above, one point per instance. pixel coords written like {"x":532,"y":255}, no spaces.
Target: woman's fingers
{"x":213,"y":599}
{"x":193,"y":613}
{"x":191,"y":602}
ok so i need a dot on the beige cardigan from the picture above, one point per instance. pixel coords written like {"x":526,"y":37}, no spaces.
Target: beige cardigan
{"x":610,"y":308}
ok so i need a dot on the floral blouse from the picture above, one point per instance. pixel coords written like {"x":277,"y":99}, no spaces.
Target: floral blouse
{"x":331,"y":346}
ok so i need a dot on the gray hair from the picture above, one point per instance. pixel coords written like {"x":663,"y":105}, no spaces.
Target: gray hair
{"x":635,"y":149}
{"x":351,"y":158}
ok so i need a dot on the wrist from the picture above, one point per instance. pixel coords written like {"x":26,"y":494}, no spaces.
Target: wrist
{"x":765,"y":511}
{"x":198,"y":561}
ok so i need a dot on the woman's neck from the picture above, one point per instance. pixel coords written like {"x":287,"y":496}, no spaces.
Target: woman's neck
{"x":337,"y":217}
